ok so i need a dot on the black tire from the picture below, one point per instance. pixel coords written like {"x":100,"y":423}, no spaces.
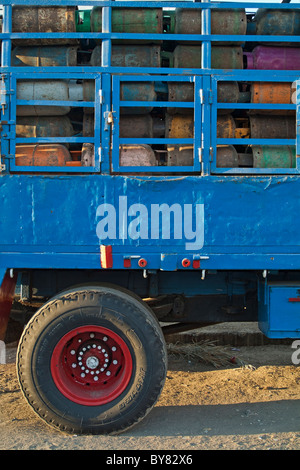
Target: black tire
{"x":52,"y":384}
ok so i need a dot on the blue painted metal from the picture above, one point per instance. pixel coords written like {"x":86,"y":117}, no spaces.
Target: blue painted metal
{"x":279,"y":313}
{"x":243,"y":219}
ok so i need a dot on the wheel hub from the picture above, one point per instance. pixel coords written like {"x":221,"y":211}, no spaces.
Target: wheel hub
{"x":91,"y":365}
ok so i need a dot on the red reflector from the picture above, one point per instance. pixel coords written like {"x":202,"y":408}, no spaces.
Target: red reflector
{"x":106,"y":256}
{"x":127,"y":263}
{"x":295,"y":299}
{"x":186,"y":263}
{"x":196,"y":263}
{"x":142,"y":263}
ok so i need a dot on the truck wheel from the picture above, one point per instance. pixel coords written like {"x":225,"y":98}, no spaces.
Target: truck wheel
{"x":92,"y":360}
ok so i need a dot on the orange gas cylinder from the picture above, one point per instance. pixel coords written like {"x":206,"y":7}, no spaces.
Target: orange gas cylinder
{"x":42,"y":155}
{"x":271,"y":92}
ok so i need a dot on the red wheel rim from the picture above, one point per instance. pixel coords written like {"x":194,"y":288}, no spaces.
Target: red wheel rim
{"x":91,"y":365}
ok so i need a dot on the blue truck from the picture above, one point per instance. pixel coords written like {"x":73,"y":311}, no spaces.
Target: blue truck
{"x":149,"y":175}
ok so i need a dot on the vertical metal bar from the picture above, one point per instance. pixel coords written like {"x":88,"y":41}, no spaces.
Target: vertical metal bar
{"x":116,"y":133}
{"x":106,"y":87}
{"x":206,"y":29}
{"x":5,"y":85}
{"x":105,"y":129}
{"x":97,"y":126}
{"x":6,"y":43}
{"x":106,"y":43}
{"x":298,"y":124}
{"x":198,"y":129}
{"x":206,"y":126}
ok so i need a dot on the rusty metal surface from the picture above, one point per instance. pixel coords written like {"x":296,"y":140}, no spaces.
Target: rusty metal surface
{"x":277,"y":23}
{"x":42,"y":155}
{"x":49,"y":56}
{"x":272,"y":127}
{"x":130,"y":55}
{"x":44,"y":126}
{"x":180,"y":155}
{"x":222,"y":57}
{"x":188,"y":21}
{"x":130,"y":20}
{"x":36,"y":19}
{"x":137,"y":155}
{"x":268,"y":156}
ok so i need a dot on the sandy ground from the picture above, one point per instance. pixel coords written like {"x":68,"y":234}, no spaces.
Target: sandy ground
{"x":252,"y":404}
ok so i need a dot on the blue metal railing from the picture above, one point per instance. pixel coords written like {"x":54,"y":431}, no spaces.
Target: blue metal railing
{"x":205,"y":141}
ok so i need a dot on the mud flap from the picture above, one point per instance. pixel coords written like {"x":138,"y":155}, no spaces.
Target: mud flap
{"x":7,"y":291}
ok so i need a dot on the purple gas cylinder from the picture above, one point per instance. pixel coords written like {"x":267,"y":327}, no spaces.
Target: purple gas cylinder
{"x":273,"y":58}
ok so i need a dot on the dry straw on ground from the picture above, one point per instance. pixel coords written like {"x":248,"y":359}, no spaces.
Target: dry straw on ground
{"x":205,"y":351}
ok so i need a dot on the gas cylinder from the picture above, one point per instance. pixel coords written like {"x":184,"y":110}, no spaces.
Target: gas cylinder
{"x":129,"y":56}
{"x":228,"y":92}
{"x":268,"y":156}
{"x":276,"y":22}
{"x":130,"y":20}
{"x":271,"y":92}
{"x":228,"y":57}
{"x":272,"y":127}
{"x":44,"y":126}
{"x":49,"y":56}
{"x":42,"y":90}
{"x":180,"y":155}
{"x":182,"y":126}
{"x":274,"y":93}
{"x":44,"y":19}
{"x":137,"y":155}
{"x":130,"y":126}
{"x":228,"y":157}
{"x":129,"y":91}
{"x":273,"y":58}
{"x":227,"y":22}
{"x":42,"y":155}
{"x":137,"y":91}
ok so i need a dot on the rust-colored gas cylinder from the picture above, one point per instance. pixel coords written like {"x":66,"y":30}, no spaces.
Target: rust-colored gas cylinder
{"x":130,"y":20}
{"x":48,"y":56}
{"x":276,"y":22}
{"x":44,"y":19}
{"x":137,"y":155}
{"x":127,"y":55}
{"x":224,"y":21}
{"x":182,"y":126}
{"x":42,"y":155}
{"x":274,"y":93}
{"x":44,"y":126}
{"x":222,"y":57}
{"x":271,"y":92}
{"x":272,"y":127}
{"x":272,"y":156}
{"x":179,"y":126}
